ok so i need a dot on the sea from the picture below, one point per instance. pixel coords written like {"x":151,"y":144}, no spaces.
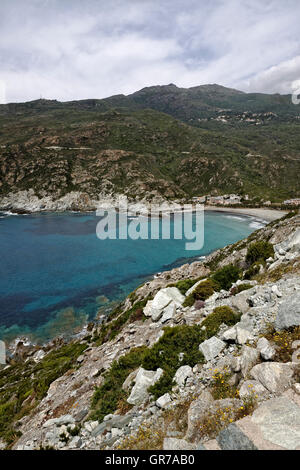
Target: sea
{"x":56,"y":275}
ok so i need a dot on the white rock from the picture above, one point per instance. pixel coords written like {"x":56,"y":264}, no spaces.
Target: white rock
{"x":212,"y":347}
{"x":243,"y":335}
{"x":156,"y":307}
{"x":168,"y":312}
{"x":163,"y":401}
{"x":144,"y":379}
{"x":65,"y":419}
{"x":252,"y":388}
{"x":230,"y":334}
{"x":267,"y":352}
{"x":276,"y":291}
{"x":182,"y":374}
{"x":274,"y":376}
{"x":38,"y":356}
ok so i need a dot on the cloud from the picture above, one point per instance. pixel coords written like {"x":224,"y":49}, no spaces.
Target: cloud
{"x":93,"y":49}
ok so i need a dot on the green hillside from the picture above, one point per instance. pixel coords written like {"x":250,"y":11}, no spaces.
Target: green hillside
{"x":167,"y":140}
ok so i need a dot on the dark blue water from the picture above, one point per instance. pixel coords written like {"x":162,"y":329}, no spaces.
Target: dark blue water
{"x":55,"y":274}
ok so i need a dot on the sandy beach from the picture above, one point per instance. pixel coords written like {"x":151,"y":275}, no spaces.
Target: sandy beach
{"x":261,"y":212}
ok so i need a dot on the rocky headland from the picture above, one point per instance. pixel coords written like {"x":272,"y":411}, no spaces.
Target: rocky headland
{"x":205,"y":356}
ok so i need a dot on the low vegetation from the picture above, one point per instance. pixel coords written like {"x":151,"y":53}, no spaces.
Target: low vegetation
{"x":23,"y":385}
{"x":178,"y":346}
{"x":259,"y":251}
{"x":111,"y":329}
{"x":202,"y":292}
{"x":283,"y":342}
{"x":226,"y":276}
{"x":220,"y":315}
{"x":210,"y":425}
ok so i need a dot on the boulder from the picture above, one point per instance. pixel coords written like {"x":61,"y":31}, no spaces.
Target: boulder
{"x":239,"y":333}
{"x":274,"y":376}
{"x":252,"y":388}
{"x":212,"y":347}
{"x":230,"y":334}
{"x":160,"y":305}
{"x":242,"y":334}
{"x":144,"y":379}
{"x":182,"y":374}
{"x":164,"y":400}
{"x":279,"y":421}
{"x":232,"y":438}
{"x":65,"y":419}
{"x":276,"y":291}
{"x":288,"y":313}
{"x":201,"y":408}
{"x":168,"y":312}
{"x":267,"y":352}
{"x":292,"y":243}
{"x":248,"y":358}
{"x":171,"y":443}
{"x":75,"y":443}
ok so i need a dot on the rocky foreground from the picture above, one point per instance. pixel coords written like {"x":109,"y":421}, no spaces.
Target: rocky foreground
{"x":206,"y":356}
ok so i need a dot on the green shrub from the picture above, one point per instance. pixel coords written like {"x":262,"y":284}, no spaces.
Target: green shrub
{"x":106,"y":398}
{"x":226,"y":276}
{"x":252,"y":271}
{"x":185,"y":285}
{"x":220,"y":315}
{"x":24,"y":380}
{"x":112,"y":328}
{"x":202,"y":292}
{"x":259,"y":251}
{"x":240,"y":288}
{"x":164,"y":354}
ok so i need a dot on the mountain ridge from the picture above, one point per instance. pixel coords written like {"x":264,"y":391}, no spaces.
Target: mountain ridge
{"x":162,"y":140}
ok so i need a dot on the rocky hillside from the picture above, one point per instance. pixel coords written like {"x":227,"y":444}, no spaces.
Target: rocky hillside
{"x":161,"y":141}
{"x":202,"y":357}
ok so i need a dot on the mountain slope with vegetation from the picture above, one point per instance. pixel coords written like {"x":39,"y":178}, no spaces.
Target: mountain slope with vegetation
{"x":164,"y":140}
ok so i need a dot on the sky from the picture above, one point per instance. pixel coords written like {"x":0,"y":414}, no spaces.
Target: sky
{"x":75,"y":49}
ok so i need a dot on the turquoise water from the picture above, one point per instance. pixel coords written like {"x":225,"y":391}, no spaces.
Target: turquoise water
{"x":55,"y":274}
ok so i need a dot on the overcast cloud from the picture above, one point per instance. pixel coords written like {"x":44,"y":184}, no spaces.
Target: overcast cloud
{"x":75,"y":49}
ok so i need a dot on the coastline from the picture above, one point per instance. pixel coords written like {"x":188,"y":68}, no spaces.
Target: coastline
{"x":266,"y":215}
{"x":260,"y":212}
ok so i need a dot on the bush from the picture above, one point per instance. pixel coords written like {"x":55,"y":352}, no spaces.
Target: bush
{"x":259,"y":251}
{"x":220,"y":315}
{"x":111,"y":329}
{"x":202,"y":292}
{"x":185,"y":285}
{"x":164,"y":354}
{"x":226,"y":276}
{"x":252,"y":271}
{"x":107,"y":397}
{"x":240,"y":288}
{"x":24,"y":380}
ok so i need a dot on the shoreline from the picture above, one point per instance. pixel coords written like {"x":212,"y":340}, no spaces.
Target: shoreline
{"x":265,"y":215}
{"x":260,"y":212}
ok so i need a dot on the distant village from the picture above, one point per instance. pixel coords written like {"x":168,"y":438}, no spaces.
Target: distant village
{"x":235,"y":199}
{"x":226,"y":199}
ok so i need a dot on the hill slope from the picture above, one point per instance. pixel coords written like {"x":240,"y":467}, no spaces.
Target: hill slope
{"x":160,"y":140}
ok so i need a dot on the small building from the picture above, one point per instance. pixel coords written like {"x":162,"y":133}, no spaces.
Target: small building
{"x":292,"y":202}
